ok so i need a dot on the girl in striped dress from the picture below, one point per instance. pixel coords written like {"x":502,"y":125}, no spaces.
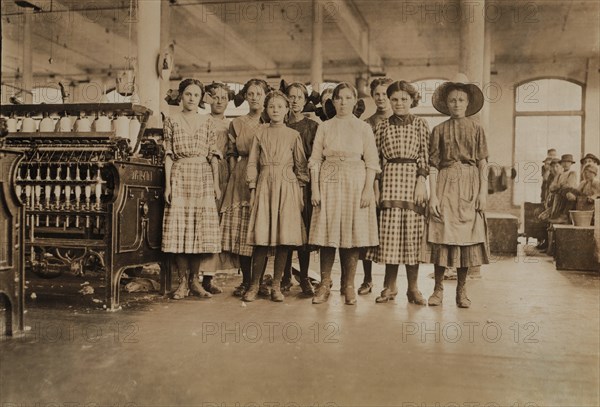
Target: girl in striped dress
{"x":235,"y":208}
{"x":191,"y":222}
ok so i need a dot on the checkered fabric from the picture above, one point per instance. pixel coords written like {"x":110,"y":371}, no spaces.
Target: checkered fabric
{"x":191,"y":222}
{"x":234,"y":224}
{"x":400,"y":230}
{"x":400,"y":235}
{"x":340,"y":221}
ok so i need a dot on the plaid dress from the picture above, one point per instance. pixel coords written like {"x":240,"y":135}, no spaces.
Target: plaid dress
{"x":401,"y":222}
{"x":235,"y":209}
{"x":343,"y":150}
{"x":191,"y":222}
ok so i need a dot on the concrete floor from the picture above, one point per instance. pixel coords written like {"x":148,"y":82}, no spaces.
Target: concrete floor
{"x":530,"y":339}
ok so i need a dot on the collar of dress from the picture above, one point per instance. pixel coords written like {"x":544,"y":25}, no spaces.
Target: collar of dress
{"x":401,"y":120}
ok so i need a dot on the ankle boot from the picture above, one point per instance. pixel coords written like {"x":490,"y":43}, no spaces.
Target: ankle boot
{"x":278,"y":272}
{"x":196,"y":288}
{"x":207,"y":284}
{"x":349,"y":260}
{"x":257,"y":271}
{"x":246,"y":266}
{"x":461,"y":291}
{"x":322,"y":293}
{"x":438,"y":290}
{"x":182,"y":290}
{"x":323,"y":290}
{"x":342,"y":279}
{"x":412,"y":293}
{"x":389,"y":290}
{"x":251,"y":294}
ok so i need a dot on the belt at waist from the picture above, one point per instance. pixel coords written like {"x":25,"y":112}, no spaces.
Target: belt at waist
{"x":400,"y":160}
{"x":350,"y":157}
{"x":197,"y":160}
{"x":388,"y":204}
{"x":462,"y":162}
{"x":341,"y":155}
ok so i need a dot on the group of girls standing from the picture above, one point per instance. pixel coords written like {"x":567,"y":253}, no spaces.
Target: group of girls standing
{"x":277,"y":181}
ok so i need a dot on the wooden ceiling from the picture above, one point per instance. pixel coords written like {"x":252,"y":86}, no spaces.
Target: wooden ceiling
{"x":79,"y":41}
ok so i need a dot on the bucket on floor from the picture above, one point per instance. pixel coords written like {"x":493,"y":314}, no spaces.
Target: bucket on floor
{"x":581,"y":218}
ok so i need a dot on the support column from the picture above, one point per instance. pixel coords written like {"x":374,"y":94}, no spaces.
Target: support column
{"x":472,"y":35}
{"x":471,"y":56}
{"x":487,"y":67}
{"x":316,"y":66}
{"x":591,"y":129}
{"x":27,"y":84}
{"x":148,"y":43}
{"x":165,"y":40}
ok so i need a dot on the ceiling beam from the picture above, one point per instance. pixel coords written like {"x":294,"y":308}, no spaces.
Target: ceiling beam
{"x":204,"y":18}
{"x":355,"y":32}
{"x":12,"y":59}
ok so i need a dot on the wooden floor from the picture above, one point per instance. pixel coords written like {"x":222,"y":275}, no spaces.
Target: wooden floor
{"x":530,"y":339}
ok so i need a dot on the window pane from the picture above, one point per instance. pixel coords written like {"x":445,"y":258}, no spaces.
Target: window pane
{"x":548,"y":95}
{"x":534,"y":135}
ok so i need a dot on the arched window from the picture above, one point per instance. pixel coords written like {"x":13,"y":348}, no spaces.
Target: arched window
{"x":548,"y":114}
{"x":425,"y":109}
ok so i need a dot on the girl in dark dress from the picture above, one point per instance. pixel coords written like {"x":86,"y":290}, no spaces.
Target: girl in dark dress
{"x":298,"y":96}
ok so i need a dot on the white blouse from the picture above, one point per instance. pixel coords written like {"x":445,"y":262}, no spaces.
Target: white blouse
{"x":347,"y":137}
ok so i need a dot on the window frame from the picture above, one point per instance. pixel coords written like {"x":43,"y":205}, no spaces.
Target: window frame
{"x":545,"y":113}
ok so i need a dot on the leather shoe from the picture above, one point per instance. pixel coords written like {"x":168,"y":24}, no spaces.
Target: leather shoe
{"x":365,"y":288}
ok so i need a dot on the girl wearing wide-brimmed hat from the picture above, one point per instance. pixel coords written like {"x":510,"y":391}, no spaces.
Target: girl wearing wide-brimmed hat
{"x":456,"y":235}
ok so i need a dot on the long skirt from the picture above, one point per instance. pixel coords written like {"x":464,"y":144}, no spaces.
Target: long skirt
{"x":339,"y":221}
{"x":459,"y":238}
{"x":400,"y":237}
{"x":191,"y":222}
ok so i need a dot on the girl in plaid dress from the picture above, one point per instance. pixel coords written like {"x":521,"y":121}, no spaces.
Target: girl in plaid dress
{"x":235,"y":208}
{"x":402,"y":142}
{"x":191,"y":221}
{"x":220,"y":95}
{"x":343,"y":165}
{"x":276,"y":173}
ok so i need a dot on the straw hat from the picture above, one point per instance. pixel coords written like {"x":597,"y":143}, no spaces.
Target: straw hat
{"x":592,"y":156}
{"x":440,"y":96}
